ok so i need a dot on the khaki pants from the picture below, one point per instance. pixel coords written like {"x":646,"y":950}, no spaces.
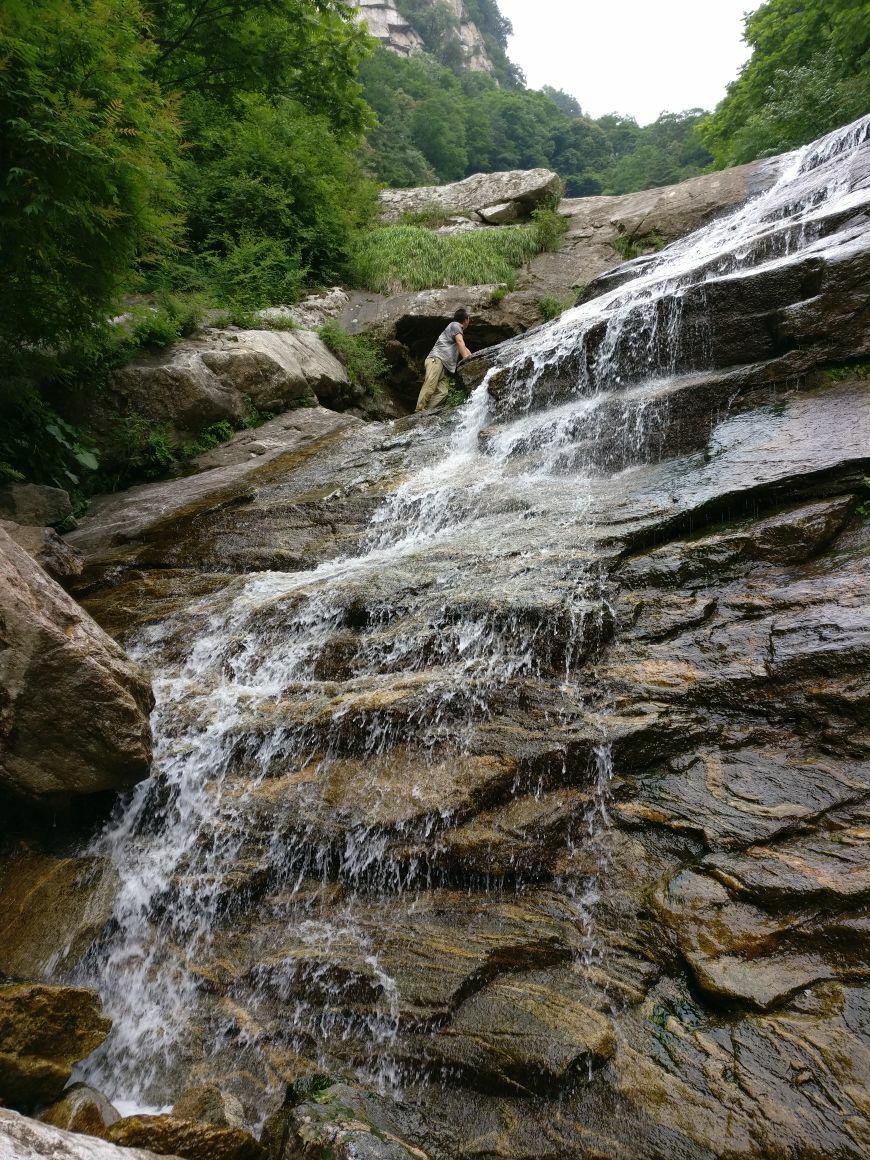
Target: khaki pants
{"x":434,"y":389}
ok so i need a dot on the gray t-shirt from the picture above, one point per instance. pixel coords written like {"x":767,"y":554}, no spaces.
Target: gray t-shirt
{"x":446,"y":349}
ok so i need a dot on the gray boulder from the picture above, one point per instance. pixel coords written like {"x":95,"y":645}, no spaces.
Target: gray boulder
{"x":33,"y":503}
{"x":56,"y":666}
{"x":218,"y":376}
{"x":523,"y":190}
{"x":46,"y":547}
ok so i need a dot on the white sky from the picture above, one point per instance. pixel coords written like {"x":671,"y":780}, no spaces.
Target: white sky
{"x":636,"y":57}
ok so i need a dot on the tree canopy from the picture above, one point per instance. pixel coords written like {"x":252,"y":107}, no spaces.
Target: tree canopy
{"x":809,"y":72}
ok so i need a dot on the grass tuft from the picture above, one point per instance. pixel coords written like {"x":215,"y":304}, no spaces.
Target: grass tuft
{"x":390,"y":259}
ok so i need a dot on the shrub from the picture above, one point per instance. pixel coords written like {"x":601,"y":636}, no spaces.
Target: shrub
{"x":551,"y":307}
{"x":360,"y":356}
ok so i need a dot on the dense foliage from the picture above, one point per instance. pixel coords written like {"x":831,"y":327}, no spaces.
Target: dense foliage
{"x":202,"y":146}
{"x":809,"y":72}
{"x":208,"y":153}
{"x":436,"y":124}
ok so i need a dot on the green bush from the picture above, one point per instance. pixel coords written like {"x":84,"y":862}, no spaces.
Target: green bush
{"x":361,"y":357}
{"x":551,"y":307}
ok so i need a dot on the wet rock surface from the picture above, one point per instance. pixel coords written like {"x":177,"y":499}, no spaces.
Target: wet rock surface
{"x":23,"y":1139}
{"x":44,"y":1031}
{"x":191,"y":1140}
{"x":51,"y":910}
{"x":81,"y":1109}
{"x":57,"y":667}
{"x":514,"y":764}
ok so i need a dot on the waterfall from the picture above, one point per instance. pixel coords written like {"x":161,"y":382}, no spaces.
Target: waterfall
{"x":482,"y":573}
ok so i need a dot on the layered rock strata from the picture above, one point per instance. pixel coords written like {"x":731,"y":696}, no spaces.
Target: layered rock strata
{"x":57,"y":666}
{"x":514,"y":762}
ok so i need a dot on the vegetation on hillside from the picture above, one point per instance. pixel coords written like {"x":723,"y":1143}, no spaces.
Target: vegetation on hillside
{"x":212,"y":154}
{"x":809,"y":73}
{"x":437,"y":124}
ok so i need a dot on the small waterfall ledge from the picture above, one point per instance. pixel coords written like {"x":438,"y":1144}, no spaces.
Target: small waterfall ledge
{"x":513,"y":766}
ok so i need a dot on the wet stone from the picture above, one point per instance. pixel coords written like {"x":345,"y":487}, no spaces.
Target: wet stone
{"x":172,"y":1136}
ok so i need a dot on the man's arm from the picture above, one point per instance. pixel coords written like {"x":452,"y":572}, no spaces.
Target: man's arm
{"x":464,"y":352}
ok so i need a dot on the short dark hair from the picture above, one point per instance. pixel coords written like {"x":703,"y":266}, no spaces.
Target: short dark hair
{"x":461,"y":315}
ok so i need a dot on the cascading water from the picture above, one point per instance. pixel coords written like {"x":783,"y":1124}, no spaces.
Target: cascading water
{"x":305,"y":738}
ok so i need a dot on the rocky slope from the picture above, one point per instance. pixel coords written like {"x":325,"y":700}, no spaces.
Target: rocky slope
{"x":512,"y":764}
{"x":395,"y":32}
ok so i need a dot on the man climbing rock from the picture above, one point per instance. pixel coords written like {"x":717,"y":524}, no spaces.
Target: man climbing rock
{"x":442,"y":360}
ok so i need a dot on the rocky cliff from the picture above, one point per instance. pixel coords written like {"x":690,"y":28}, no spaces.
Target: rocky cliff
{"x":397,"y":32}
{"x":511,"y":765}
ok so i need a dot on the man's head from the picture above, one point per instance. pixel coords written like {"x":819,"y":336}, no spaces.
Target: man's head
{"x":462,"y":316}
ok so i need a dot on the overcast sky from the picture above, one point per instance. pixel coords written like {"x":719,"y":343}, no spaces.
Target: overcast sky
{"x":637,"y":57}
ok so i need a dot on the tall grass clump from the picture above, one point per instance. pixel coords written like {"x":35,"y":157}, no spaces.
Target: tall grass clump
{"x":390,"y":259}
{"x":360,"y":356}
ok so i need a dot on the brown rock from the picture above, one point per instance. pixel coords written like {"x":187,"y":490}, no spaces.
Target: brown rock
{"x":524,"y":1031}
{"x":81,"y":1109}
{"x":171,"y":1136}
{"x":209,"y":1105}
{"x":52,"y":553}
{"x":44,"y":1030}
{"x":56,"y":667}
{"x":51,"y":910}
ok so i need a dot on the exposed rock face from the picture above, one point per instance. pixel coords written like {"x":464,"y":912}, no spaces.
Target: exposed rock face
{"x":46,"y":547}
{"x":530,"y":742}
{"x":44,"y":1031}
{"x":34,"y":504}
{"x":51,"y":910}
{"x":24,"y":1139}
{"x":56,"y":666}
{"x":209,"y":1105}
{"x":224,"y":477}
{"x":521,"y":189}
{"x":336,"y":1122}
{"x":387,"y":25}
{"x":81,"y":1109}
{"x":221,"y":376}
{"x":171,"y":1136}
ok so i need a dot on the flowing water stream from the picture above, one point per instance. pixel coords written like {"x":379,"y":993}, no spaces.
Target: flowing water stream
{"x":481,"y":575}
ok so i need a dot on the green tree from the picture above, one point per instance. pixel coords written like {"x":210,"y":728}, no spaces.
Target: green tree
{"x":306,"y":49}
{"x":85,"y":193}
{"x":809,"y":72}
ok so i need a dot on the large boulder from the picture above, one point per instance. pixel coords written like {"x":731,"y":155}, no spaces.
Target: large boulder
{"x":44,"y":1031}
{"x":24,"y":1139}
{"x":219,"y":376}
{"x":52,"y":553}
{"x":51,"y":910}
{"x":504,"y":196}
{"x":81,"y":1109}
{"x":74,"y":707}
{"x":33,"y":503}
{"x":172,"y":1136}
